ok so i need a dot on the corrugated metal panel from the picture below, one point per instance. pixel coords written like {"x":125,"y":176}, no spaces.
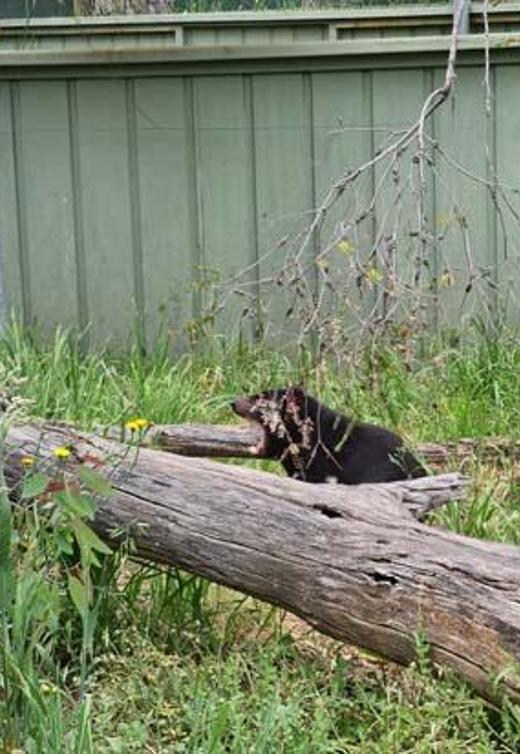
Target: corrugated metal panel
{"x":344,"y":139}
{"x":506,"y":121}
{"x":168,"y":200}
{"x":463,"y":131}
{"x":44,"y":191}
{"x":104,"y":172}
{"x":224,"y":168}
{"x":284,"y":171}
{"x":10,"y":220}
{"x":123,"y":188}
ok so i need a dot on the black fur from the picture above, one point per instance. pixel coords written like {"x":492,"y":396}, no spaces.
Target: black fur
{"x":316,"y":444}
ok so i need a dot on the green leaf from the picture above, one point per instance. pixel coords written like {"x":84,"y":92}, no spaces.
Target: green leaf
{"x":95,"y":482}
{"x":76,"y":504}
{"x":34,"y":485}
{"x":88,"y":539}
{"x":5,"y":524}
{"x":6,"y":531}
{"x":63,"y":540}
{"x":79,"y":595}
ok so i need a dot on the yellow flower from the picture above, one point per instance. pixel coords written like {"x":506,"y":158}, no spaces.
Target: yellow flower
{"x":27,"y":461}
{"x":137,"y":424}
{"x":373,"y":275}
{"x":446,"y":279}
{"x":62,"y":453}
{"x":345,"y":246}
{"x":47,"y":688}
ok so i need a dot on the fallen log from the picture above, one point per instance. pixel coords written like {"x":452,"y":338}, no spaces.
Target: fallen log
{"x":353,"y":562}
{"x":211,"y":441}
{"x":220,"y":441}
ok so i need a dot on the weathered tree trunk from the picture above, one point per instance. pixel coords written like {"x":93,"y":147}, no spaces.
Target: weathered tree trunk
{"x":219,"y":441}
{"x":352,"y":561}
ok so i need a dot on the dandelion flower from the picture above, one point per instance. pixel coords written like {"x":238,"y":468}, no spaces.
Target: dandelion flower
{"x":62,"y":453}
{"x":27,"y":461}
{"x":137,"y":424}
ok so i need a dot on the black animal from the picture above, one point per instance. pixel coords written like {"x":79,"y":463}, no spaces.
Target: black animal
{"x":316,"y":444}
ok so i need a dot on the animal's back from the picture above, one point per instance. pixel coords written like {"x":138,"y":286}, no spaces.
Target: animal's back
{"x":344,"y":451}
{"x":317,"y":444}
{"x":375,"y":454}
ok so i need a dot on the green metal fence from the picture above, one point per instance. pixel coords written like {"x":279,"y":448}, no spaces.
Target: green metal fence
{"x":36,"y":8}
{"x":27,"y":8}
{"x":136,"y":153}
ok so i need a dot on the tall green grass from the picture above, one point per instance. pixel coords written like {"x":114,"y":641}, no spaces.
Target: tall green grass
{"x":450,"y":393}
{"x":171,"y":663}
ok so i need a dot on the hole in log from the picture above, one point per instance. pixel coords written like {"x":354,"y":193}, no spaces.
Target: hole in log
{"x":327,"y":510}
{"x":383,"y":578}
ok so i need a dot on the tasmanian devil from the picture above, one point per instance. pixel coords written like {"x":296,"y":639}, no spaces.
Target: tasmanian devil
{"x":316,"y":444}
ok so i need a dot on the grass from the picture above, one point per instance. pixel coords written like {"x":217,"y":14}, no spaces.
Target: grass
{"x":451,"y":392}
{"x":179,"y":665}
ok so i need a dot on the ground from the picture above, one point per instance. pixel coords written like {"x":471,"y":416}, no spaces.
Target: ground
{"x":170,"y":663}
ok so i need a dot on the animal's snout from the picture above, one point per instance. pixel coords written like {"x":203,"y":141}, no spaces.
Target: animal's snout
{"x":241,"y":406}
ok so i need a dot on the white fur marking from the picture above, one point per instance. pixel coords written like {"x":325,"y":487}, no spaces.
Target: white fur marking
{"x":331,"y":480}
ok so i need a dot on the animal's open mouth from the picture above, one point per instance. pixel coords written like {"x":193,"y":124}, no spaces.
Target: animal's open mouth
{"x":243,"y":406}
{"x":259,"y":447}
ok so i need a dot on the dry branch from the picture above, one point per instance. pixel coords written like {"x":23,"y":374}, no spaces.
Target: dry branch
{"x":467,"y":448}
{"x":219,"y":441}
{"x":352,"y":561}
{"x":368,"y":261}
